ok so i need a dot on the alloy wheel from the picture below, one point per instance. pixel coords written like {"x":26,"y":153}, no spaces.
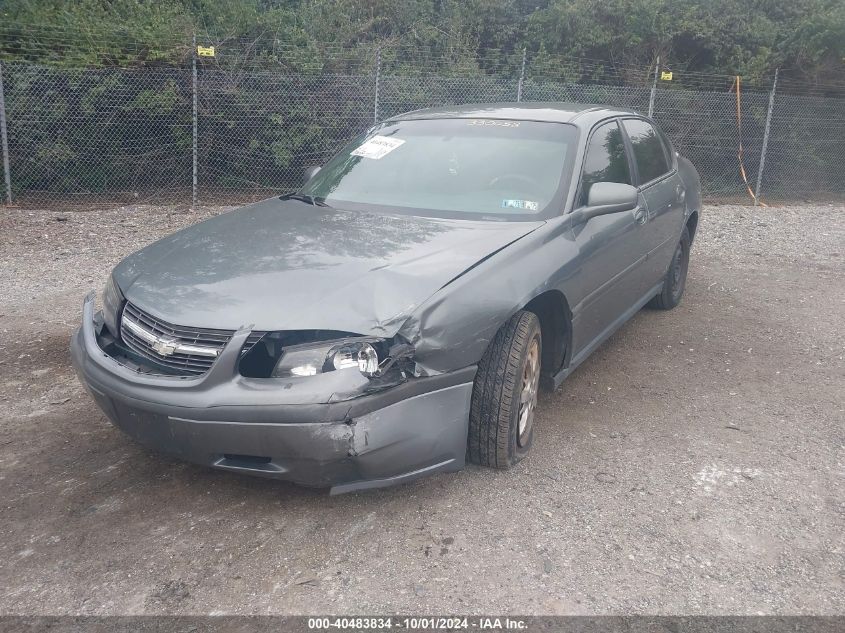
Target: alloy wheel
{"x":528,"y":392}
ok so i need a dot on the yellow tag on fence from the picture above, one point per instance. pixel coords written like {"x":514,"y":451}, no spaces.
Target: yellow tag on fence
{"x":666,"y":75}
{"x":205,"y":51}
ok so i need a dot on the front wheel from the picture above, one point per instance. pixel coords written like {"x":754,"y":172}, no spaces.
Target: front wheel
{"x":676,"y":277}
{"x":504,"y":396}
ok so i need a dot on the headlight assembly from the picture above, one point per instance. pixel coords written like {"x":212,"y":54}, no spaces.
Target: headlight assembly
{"x":361,"y":355}
{"x":112,"y":303}
{"x":317,"y":358}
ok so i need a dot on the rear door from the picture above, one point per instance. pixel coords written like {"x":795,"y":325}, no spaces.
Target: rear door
{"x":612,"y":247}
{"x":663,"y":191}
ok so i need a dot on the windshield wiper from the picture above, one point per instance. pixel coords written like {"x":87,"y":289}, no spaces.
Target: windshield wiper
{"x":304,"y":197}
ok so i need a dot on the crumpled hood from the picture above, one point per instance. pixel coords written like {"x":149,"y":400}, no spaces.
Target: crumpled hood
{"x":286,"y":265}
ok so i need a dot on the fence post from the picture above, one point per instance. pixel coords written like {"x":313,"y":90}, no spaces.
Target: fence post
{"x":521,"y":77}
{"x":766,"y":138}
{"x":378,"y":80}
{"x":653,"y":88}
{"x":4,"y":140}
{"x":194,"y":117}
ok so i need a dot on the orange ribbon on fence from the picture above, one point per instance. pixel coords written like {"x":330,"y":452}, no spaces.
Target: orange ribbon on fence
{"x":737,"y":86}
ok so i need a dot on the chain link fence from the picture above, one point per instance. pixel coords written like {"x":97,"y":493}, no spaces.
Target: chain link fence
{"x":93,"y":137}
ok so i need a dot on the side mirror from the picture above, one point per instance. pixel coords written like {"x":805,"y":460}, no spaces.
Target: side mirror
{"x":612,"y":197}
{"x":310,"y":172}
{"x":608,"y":197}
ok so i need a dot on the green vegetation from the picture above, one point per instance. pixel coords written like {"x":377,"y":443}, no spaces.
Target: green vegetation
{"x":102,"y":106}
{"x":805,"y":38}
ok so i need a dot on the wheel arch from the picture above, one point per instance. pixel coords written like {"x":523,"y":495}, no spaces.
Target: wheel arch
{"x":692,"y":225}
{"x":552,"y":309}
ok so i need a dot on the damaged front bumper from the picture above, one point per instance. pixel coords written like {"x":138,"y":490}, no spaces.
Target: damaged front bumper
{"x":310,"y":430}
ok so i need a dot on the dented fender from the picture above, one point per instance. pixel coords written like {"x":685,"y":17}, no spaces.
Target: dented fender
{"x":454,"y":327}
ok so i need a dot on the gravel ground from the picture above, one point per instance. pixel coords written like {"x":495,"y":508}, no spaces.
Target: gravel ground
{"x":693,"y":465}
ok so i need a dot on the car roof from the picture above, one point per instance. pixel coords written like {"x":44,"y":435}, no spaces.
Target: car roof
{"x":581,"y":114}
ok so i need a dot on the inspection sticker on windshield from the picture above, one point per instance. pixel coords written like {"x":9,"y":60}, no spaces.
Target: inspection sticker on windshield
{"x":528,"y":205}
{"x":377,"y":147}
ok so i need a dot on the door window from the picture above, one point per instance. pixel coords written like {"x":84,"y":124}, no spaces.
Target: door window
{"x":605,"y":160}
{"x":648,"y":149}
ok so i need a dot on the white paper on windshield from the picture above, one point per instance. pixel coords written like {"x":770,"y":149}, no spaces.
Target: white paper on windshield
{"x":377,"y":147}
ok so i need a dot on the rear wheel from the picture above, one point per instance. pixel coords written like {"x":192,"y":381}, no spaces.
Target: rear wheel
{"x":676,"y":277}
{"x":504,"y":396}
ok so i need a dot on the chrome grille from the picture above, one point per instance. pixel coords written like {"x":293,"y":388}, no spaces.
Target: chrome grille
{"x":194,"y":350}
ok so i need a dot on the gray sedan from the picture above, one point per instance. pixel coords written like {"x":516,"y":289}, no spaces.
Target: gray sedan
{"x":397,"y":315}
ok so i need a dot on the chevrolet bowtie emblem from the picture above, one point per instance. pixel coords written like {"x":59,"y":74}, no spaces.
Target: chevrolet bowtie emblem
{"x":165,"y":346}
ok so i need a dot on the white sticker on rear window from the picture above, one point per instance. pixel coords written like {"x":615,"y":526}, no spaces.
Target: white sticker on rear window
{"x":528,"y":205}
{"x":377,"y":147}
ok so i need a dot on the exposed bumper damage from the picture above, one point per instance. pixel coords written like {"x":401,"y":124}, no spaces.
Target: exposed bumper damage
{"x":327,"y":430}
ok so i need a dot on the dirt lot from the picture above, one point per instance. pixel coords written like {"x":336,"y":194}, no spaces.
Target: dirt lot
{"x":694,"y":464}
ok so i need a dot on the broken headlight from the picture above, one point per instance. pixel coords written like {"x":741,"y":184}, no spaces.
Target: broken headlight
{"x":112,"y":302}
{"x":317,"y":358}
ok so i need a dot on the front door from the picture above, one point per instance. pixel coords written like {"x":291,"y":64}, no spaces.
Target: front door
{"x":612,"y":247}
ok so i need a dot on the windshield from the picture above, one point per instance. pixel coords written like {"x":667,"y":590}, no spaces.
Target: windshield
{"x":454,"y":168}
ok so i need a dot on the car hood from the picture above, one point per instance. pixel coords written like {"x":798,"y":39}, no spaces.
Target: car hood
{"x":287,"y":265}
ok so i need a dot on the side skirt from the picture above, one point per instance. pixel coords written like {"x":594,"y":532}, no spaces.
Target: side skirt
{"x":606,"y":334}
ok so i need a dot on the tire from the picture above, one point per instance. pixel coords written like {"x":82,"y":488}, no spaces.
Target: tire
{"x":676,"y":277}
{"x":501,"y":428}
